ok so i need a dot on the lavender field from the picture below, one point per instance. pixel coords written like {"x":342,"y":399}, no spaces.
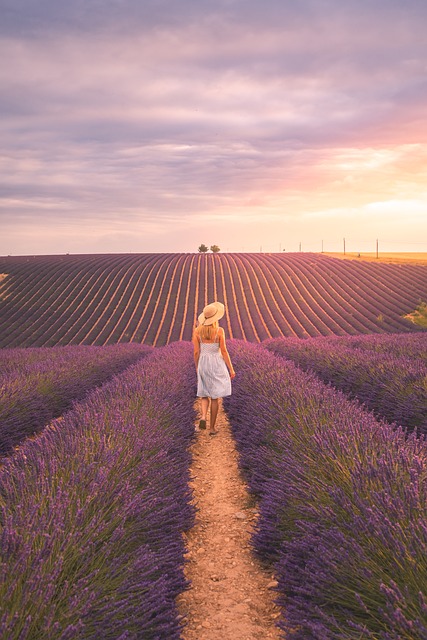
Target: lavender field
{"x":155,"y":298}
{"x":388,"y":374}
{"x":38,"y":385}
{"x":342,"y":502}
{"x":93,"y":509}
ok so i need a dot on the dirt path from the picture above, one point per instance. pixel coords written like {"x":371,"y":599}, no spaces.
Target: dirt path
{"x":232,"y":596}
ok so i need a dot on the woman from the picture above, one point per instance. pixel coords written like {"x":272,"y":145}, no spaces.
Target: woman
{"x":212,"y":361}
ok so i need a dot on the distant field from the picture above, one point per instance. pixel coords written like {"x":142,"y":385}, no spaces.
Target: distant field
{"x":391,"y":258}
{"x":155,"y":298}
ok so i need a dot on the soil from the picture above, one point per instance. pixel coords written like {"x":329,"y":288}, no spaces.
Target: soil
{"x":231,"y":594}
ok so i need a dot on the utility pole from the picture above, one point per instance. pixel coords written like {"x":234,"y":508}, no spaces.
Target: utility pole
{"x":377,"y":248}
{"x":300,"y":246}
{"x":322,"y":246}
{"x":344,"y":245}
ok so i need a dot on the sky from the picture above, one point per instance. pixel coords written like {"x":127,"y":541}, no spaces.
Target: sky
{"x":256,"y":125}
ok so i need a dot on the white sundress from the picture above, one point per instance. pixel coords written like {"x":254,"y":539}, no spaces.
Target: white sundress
{"x":213,"y":379}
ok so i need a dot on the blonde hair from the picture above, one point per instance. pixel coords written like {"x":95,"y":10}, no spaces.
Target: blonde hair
{"x":207,"y":331}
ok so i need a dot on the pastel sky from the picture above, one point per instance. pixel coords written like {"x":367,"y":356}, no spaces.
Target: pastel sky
{"x":156,"y":125}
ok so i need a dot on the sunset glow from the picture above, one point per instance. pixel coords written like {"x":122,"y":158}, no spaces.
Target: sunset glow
{"x":154,"y":127}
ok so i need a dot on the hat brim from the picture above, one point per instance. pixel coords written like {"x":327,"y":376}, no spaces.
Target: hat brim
{"x":220,"y":310}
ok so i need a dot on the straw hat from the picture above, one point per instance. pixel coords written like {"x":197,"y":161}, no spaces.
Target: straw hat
{"x":211,"y":313}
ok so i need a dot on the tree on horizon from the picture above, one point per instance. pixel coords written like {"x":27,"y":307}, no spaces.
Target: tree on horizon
{"x":203,"y":248}
{"x":215,"y":248}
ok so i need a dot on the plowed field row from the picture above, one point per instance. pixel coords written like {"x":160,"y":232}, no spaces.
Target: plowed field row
{"x":156,"y":298}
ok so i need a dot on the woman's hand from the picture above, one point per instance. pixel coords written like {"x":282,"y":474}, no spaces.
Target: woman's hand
{"x":232,"y":374}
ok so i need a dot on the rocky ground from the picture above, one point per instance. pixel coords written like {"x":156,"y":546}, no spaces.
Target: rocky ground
{"x":232,"y":594}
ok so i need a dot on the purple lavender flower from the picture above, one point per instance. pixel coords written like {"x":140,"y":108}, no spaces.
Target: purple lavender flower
{"x":38,"y":385}
{"x":343,"y":503}
{"x":93,"y":510}
{"x":386,"y":373}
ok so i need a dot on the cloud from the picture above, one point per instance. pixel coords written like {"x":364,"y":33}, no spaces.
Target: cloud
{"x":200,"y":111}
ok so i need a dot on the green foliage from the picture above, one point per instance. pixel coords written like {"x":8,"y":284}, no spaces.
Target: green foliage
{"x":204,"y":249}
{"x":419,"y":316}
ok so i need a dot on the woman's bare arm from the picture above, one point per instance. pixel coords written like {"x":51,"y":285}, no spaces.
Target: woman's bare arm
{"x":196,"y":345}
{"x":225,"y":353}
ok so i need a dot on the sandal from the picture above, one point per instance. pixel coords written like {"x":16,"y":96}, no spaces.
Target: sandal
{"x":202,"y":424}
{"x":213,"y":433}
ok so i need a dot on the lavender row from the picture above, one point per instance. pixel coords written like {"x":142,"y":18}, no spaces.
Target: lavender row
{"x":387,"y":374}
{"x":93,"y":509}
{"x":406,"y":345}
{"x":342,"y":499}
{"x":402,"y":344}
{"x":39,"y":384}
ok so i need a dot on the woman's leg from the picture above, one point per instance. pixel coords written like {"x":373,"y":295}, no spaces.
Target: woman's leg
{"x":214,"y":413}
{"x":205,"y":406}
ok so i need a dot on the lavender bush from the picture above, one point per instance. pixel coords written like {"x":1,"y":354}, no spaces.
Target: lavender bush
{"x":92,"y":511}
{"x":410,"y":345}
{"x":343,"y":506}
{"x":37,"y":385}
{"x":388,"y":374}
